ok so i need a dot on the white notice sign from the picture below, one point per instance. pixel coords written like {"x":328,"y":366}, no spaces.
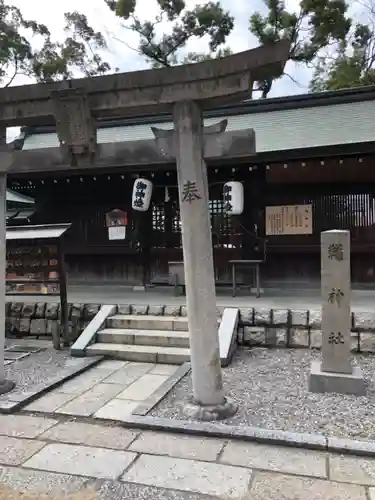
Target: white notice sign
{"x":289,"y":219}
{"x":116,"y":232}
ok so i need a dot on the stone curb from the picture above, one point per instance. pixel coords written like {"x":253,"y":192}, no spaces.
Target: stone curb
{"x":254,"y":434}
{"x":164,"y":389}
{"x":12,"y":404}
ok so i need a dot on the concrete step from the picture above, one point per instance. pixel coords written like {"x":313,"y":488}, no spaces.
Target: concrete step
{"x":141,"y":353}
{"x":130,"y":336}
{"x":169,"y":323}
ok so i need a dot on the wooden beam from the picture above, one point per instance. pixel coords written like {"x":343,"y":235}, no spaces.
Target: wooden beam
{"x":150,"y":91}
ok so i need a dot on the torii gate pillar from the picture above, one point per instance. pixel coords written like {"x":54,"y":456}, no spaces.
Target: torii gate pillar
{"x":6,"y":159}
{"x":209,"y":402}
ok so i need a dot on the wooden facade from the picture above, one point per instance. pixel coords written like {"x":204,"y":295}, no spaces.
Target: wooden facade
{"x":153,"y":238}
{"x":336,"y":180}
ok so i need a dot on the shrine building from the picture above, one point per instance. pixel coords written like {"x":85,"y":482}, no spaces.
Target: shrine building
{"x":313,"y":170}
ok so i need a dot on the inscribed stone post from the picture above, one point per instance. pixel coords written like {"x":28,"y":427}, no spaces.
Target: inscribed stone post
{"x":208,"y":396}
{"x":335,"y":373}
{"x":335,"y":284}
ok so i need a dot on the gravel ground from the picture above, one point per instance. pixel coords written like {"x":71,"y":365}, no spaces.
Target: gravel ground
{"x":270,"y":387}
{"x":38,"y":369}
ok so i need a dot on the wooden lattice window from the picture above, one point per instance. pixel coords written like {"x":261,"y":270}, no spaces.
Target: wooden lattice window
{"x":176,"y":219}
{"x":158,"y":217}
{"x":221,"y":224}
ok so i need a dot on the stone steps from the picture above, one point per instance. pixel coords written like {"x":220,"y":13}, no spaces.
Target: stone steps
{"x":130,"y":336}
{"x":141,"y":353}
{"x":150,"y":339}
{"x":166,"y":323}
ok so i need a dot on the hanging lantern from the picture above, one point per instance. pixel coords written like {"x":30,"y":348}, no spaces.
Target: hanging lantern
{"x":142,"y":191}
{"x":233,"y":197}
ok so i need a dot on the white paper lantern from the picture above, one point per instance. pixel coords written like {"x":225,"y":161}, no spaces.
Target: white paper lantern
{"x":233,"y":197}
{"x":142,"y":191}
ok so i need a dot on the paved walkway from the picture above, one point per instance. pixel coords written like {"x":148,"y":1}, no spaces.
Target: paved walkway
{"x":111,"y":390}
{"x":54,"y":454}
{"x":362,"y":300}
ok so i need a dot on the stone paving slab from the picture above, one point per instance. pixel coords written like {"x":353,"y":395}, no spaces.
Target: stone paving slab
{"x":189,"y":475}
{"x":355,"y":470}
{"x":178,"y":446}
{"x":81,"y":460}
{"x":117,"y":409}
{"x":160,"y":393}
{"x":50,"y":403}
{"x":163,"y":369}
{"x":24,"y":426}
{"x":271,"y":486}
{"x":275,"y":458}
{"x":171,"y":466}
{"x":142,"y":388}
{"x":111,"y":490}
{"x":92,"y":400}
{"x":39,"y":482}
{"x":129,"y":373}
{"x":112,"y":364}
{"x":102,"y":436}
{"x":85,"y":382}
{"x":14,"y":451}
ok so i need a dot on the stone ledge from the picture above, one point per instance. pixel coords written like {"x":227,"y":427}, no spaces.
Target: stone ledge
{"x":88,"y":335}
{"x":220,"y":430}
{"x":228,"y":334}
{"x":255,"y":434}
{"x":12,"y":403}
{"x":350,"y":446}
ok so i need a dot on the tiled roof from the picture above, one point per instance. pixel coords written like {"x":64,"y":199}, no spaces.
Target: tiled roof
{"x":277,"y":130}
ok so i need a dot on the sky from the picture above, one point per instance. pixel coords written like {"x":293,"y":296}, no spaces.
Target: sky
{"x":122,"y":43}
{"x":123,"y":55}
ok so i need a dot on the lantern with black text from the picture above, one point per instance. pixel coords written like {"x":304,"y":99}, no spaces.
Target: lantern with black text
{"x":142,"y":191}
{"x":233,"y":198}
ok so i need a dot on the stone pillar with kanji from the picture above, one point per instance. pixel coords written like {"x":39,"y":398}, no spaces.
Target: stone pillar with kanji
{"x":335,"y":373}
{"x":208,"y":401}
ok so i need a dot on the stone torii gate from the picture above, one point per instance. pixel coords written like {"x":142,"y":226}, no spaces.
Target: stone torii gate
{"x":76,"y":107}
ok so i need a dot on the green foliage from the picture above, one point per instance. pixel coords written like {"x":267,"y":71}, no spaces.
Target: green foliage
{"x":208,"y":19}
{"x":78,"y":52}
{"x":52,"y":60}
{"x":316,"y":25}
{"x":193,"y":57}
{"x":353,"y":64}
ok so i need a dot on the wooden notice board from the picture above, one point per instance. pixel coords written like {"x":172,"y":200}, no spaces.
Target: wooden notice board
{"x":288,"y":220}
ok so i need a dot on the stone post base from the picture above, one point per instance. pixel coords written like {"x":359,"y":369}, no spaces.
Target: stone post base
{"x":342,"y":383}
{"x":6,"y":386}
{"x":207,"y":413}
